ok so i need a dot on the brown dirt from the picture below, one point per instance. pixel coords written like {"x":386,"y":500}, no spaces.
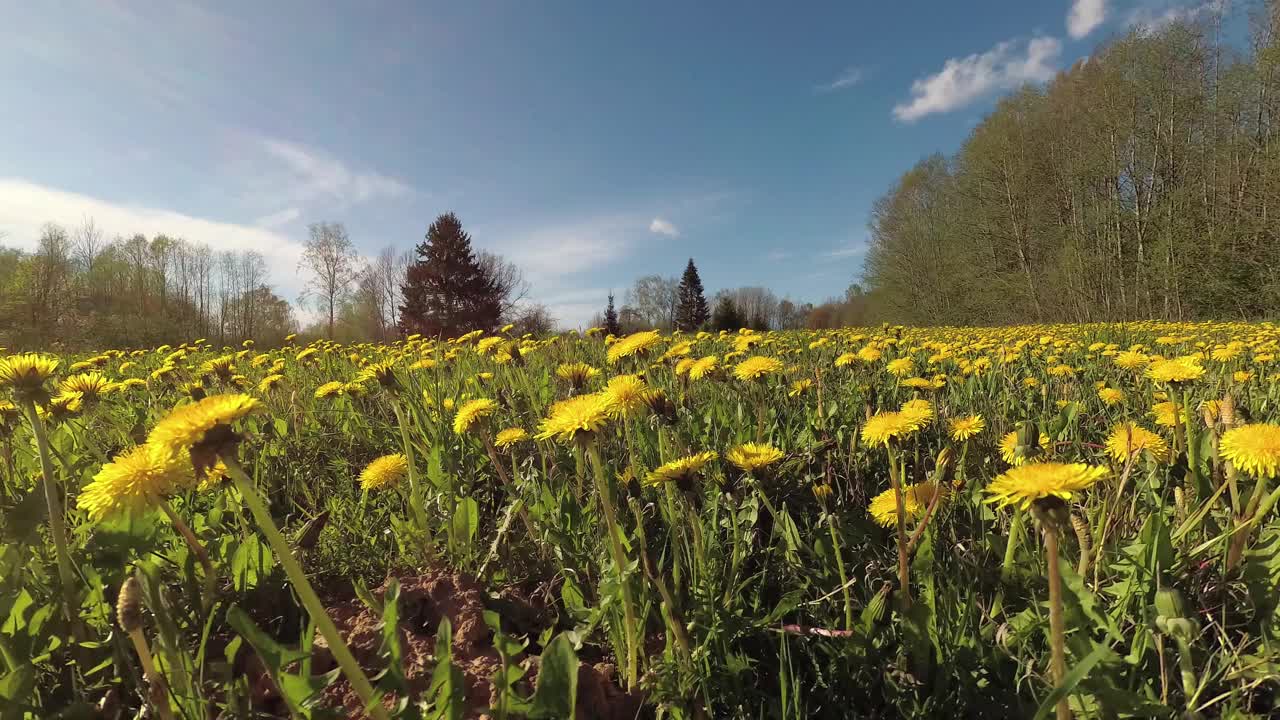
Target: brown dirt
{"x":424,"y":601}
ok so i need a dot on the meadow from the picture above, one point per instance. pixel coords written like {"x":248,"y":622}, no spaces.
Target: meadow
{"x":1069,"y":520}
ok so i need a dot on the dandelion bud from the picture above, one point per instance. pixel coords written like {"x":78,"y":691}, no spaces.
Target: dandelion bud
{"x":942,"y":467}
{"x":129,"y":605}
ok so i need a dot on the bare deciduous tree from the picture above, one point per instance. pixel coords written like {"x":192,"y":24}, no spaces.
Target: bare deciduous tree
{"x":330,"y":259}
{"x":508,"y":279}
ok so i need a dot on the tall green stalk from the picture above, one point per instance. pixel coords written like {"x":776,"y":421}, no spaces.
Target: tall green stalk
{"x":280,"y":546}
{"x":57,"y":519}
{"x":619,"y":562}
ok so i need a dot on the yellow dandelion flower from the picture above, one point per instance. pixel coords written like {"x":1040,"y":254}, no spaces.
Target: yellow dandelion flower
{"x":26,"y":374}
{"x":269,"y":382}
{"x":471,"y":412}
{"x":1166,"y":414}
{"x":751,"y":457}
{"x":1009,"y":448}
{"x":966,"y":427}
{"x":383,"y":472}
{"x":1253,"y":449}
{"x":188,"y":425}
{"x":884,"y":426}
{"x":846,"y":359}
{"x":799,"y":387}
{"x":510,"y":436}
{"x":756,"y":367}
{"x":918,"y":411}
{"x":681,"y":469}
{"x":1110,"y":396}
{"x":91,"y":385}
{"x":703,"y":366}
{"x":333,"y":388}
{"x":626,"y":395}
{"x":883,"y":508}
{"x":901,"y":367}
{"x":577,"y":415}
{"x":1023,"y":485}
{"x":135,"y":480}
{"x":576,"y":374}
{"x":1178,"y":370}
{"x":870,"y":354}
{"x":1129,"y":439}
{"x":61,"y":407}
{"x":633,"y":345}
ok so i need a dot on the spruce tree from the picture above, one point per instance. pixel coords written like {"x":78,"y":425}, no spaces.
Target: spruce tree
{"x":726,"y":316}
{"x":446,"y":290}
{"x":691,"y":307}
{"x":611,"y":325}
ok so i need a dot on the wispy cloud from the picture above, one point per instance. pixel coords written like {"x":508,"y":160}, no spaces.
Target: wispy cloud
{"x":845,"y":252}
{"x":777,"y":255}
{"x":26,"y":206}
{"x":1155,"y":16}
{"x":660,"y":226}
{"x":1085,"y":16}
{"x":964,"y":80}
{"x":276,"y":219}
{"x":849,"y":77}
{"x":317,"y":174}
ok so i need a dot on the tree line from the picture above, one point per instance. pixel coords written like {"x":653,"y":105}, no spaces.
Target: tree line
{"x":1140,"y":183}
{"x":665,"y":303}
{"x":79,"y":289}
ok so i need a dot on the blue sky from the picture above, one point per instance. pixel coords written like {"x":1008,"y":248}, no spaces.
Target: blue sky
{"x":591,"y":142}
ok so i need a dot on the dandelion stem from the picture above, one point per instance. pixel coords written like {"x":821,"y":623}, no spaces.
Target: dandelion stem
{"x":844,"y":579}
{"x":156,"y":690}
{"x":619,"y":562}
{"x":341,"y":653}
{"x":1057,"y":628}
{"x":57,"y":520}
{"x":904,"y":569}
{"x":202,"y":555}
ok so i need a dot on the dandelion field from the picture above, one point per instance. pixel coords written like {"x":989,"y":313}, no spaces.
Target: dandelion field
{"x":1071,"y":520}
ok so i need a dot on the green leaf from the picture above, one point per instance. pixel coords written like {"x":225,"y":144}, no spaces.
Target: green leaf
{"x":1072,"y":679}
{"x":251,"y":561}
{"x":15,"y":689}
{"x":1079,"y":600}
{"x":556,"y":693}
{"x":466,"y":521}
{"x":23,"y":519}
{"x":298,"y":691}
{"x":447,"y":691}
{"x":789,"y":602}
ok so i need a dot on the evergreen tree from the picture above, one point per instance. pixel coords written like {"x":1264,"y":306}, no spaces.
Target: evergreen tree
{"x":691,"y":310}
{"x":611,"y":325}
{"x":446,"y":290}
{"x":726,"y":316}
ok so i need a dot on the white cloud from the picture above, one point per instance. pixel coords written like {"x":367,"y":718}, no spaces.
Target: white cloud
{"x":1153,"y":17}
{"x":853,"y":250}
{"x":317,"y":175}
{"x":848,"y":78}
{"x":777,"y":255}
{"x":1085,"y":16}
{"x":664,"y":227}
{"x":276,"y":219}
{"x":964,"y":80}
{"x":26,"y":206}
